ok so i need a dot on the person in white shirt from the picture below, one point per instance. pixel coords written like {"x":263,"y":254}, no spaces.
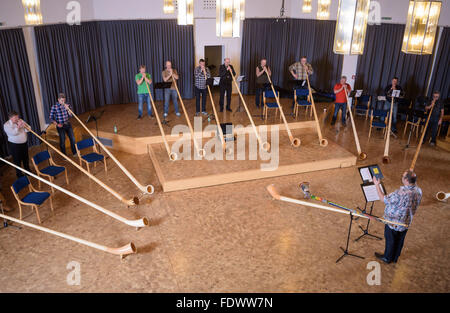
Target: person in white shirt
{"x":17,"y":141}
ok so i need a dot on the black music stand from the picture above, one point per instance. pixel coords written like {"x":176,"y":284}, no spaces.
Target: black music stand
{"x":348,"y":239}
{"x":94,"y":117}
{"x":366,"y":230}
{"x":239,"y":108}
{"x":163,"y":86}
{"x":416,"y":114}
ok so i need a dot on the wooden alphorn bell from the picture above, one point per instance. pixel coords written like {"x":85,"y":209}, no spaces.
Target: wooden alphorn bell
{"x":201,"y":152}
{"x":216,"y":116}
{"x":149,"y":189}
{"x":322,"y":141}
{"x":264,"y":145}
{"x":142,"y":222}
{"x":361,"y":155}
{"x":172,"y":155}
{"x":386,"y":158}
{"x":294,"y":141}
{"x":134,"y":201}
{"x":416,"y":155}
{"x":442,"y":196}
{"x":122,"y":251}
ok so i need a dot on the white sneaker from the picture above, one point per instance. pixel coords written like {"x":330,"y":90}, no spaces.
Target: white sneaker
{"x":178,"y":114}
{"x":165,"y":114}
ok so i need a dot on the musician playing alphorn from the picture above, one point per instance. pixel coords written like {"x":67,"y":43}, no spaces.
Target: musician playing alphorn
{"x":59,"y":115}
{"x":341,"y":99}
{"x":168,"y":75}
{"x":141,"y":79}
{"x":17,"y":141}
{"x":201,"y":73}
{"x":436,"y":117}
{"x":401,"y":206}
{"x":225,"y":83}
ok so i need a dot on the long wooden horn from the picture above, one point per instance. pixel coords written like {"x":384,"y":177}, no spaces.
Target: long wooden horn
{"x":122,"y":251}
{"x":274,"y":193}
{"x":216,"y":116}
{"x":294,"y":141}
{"x":172,"y":155}
{"x":264,"y":145}
{"x":442,"y":196}
{"x":322,"y":141}
{"x":146,"y":189}
{"x":133,"y":201}
{"x":201,"y":152}
{"x":142,"y":222}
{"x":416,"y":155}
{"x":386,"y":158}
{"x":361,"y":155}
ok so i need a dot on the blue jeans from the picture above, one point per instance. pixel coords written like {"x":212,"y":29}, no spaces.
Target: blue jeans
{"x":387,"y":107}
{"x":170,"y":93}
{"x":62,"y":131}
{"x":337,"y":107}
{"x":394,"y":243}
{"x":144,"y":97}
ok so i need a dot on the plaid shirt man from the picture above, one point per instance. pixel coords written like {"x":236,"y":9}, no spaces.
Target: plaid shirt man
{"x":59,"y":114}
{"x":200,"y":80}
{"x":401,"y":205}
{"x":297,"y":67}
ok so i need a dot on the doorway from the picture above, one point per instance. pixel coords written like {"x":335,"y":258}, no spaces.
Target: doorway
{"x":213,"y":59}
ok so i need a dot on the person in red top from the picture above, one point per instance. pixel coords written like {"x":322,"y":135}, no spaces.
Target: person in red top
{"x":341,"y":99}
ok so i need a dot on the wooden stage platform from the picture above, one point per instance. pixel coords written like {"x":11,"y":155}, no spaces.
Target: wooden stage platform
{"x":143,"y":136}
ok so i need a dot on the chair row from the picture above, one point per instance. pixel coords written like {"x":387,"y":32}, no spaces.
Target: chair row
{"x":301,"y":99}
{"x":46,"y":167}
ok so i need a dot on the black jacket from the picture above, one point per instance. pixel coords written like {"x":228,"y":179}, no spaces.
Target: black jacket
{"x":225,"y":76}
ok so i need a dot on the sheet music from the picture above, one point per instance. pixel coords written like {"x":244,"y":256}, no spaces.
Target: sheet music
{"x":216,"y":81}
{"x":358,"y":93}
{"x":395,"y":93}
{"x":239,"y":78}
{"x":381,"y":98}
{"x":370,"y":191}
{"x":365,"y":174}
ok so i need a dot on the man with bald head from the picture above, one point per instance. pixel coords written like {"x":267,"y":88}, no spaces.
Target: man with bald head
{"x":401,"y":206}
{"x":225,"y":83}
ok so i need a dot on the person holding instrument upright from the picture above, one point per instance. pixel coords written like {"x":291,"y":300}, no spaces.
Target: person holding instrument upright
{"x":201,"y":74}
{"x":401,"y":206}
{"x":436,"y":117}
{"x":168,"y":75}
{"x":341,"y":99}
{"x":387,"y":104}
{"x":262,"y":81}
{"x":225,"y":83}
{"x":17,"y":141}
{"x":59,"y":115}
{"x":141,"y":79}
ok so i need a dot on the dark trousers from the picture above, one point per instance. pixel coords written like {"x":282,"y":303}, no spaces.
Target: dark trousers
{"x":223,"y":89}
{"x":432,"y":128}
{"x":19,"y":153}
{"x":259,"y":91}
{"x":394,"y":243}
{"x":62,"y":131}
{"x":200,"y":92}
{"x":337,"y":107}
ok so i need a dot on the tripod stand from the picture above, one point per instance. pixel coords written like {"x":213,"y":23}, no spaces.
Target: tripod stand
{"x":366,"y":230}
{"x":348,"y":239}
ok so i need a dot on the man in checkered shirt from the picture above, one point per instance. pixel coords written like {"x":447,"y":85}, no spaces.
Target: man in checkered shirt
{"x":60,"y":117}
{"x":201,"y":73}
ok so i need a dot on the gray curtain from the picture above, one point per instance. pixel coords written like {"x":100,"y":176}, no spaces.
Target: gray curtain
{"x":95,"y":63}
{"x":441,"y":77}
{"x":382,"y":60}
{"x":16,"y":85}
{"x":283,"y":43}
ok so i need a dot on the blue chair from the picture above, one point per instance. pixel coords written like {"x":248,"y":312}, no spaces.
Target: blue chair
{"x":380,"y":115}
{"x":92,"y":157}
{"x":362,"y":105}
{"x":51,"y":171}
{"x":34,"y":198}
{"x":268,"y":94}
{"x":301,"y":100}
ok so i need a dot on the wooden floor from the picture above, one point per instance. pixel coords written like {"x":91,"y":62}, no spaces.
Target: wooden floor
{"x":233,"y":237}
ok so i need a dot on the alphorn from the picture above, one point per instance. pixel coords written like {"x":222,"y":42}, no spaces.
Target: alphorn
{"x":361,"y":155}
{"x":135,"y":223}
{"x":294,"y":141}
{"x":416,"y":155}
{"x":146,"y":189}
{"x":386,"y":158}
{"x":201,"y":152}
{"x":322,"y":141}
{"x":442,"y":196}
{"x":172,"y":155}
{"x":122,"y":251}
{"x":264,"y":145}
{"x":216,"y":116}
{"x":134,"y":201}
{"x":274,"y":193}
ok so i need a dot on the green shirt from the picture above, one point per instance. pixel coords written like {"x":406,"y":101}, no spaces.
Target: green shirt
{"x":142,"y":88}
